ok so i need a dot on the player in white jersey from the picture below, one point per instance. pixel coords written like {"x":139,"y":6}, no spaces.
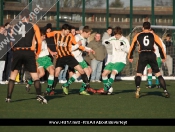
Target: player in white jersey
{"x":120,"y":49}
{"x":159,"y":62}
{"x":44,"y":63}
{"x":78,"y":56}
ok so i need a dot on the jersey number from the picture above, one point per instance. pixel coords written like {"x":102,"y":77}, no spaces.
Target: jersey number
{"x":22,"y":30}
{"x":146,"y":41}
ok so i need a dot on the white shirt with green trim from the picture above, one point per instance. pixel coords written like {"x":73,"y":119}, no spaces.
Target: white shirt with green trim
{"x":77,"y":52}
{"x":44,"y":50}
{"x":120,"y":49}
{"x":157,"y":49}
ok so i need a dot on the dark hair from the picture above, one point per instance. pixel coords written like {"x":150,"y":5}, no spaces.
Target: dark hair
{"x":49,"y":25}
{"x":42,"y":31}
{"x":66,"y":27}
{"x":146,"y":25}
{"x":87,"y":29}
{"x":25,"y":13}
{"x":109,"y":28}
{"x":168,"y":35}
{"x":118,"y":30}
{"x":7,"y":23}
{"x":72,"y":27}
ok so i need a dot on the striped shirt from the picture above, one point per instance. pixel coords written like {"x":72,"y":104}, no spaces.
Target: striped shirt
{"x":146,"y":40}
{"x":63,"y":43}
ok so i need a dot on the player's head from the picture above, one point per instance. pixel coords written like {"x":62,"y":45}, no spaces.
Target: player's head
{"x":66,"y":29}
{"x":81,"y":29}
{"x":118,"y":32}
{"x":48,"y":27}
{"x":25,"y":13}
{"x":73,"y":30}
{"x":86,"y":31}
{"x":146,"y":25}
{"x":109,"y":30}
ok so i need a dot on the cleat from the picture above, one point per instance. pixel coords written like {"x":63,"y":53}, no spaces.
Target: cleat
{"x":137,"y":93}
{"x":158,"y":86}
{"x":167,"y":95}
{"x":28,"y":87}
{"x":101,"y":91}
{"x":148,"y":87}
{"x":41,"y":99}
{"x":52,"y":93}
{"x":7,"y":100}
{"x":91,"y":90}
{"x":84,"y":93}
{"x":65,"y":90}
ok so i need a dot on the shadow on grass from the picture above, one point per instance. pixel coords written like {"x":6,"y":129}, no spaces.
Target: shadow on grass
{"x":155,"y":86}
{"x":22,"y":100}
{"x":142,"y":94}
{"x":124,"y":91}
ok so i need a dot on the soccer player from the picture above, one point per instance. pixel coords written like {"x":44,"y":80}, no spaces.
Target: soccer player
{"x":63,"y":41}
{"x":120,"y":48}
{"x":24,"y":53}
{"x":159,"y":62}
{"x":146,"y":40}
{"x":44,"y":63}
{"x":78,"y":56}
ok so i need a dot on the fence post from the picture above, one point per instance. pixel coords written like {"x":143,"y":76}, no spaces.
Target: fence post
{"x":107,"y":14}
{"x":58,"y":16}
{"x":152,"y":13}
{"x":83,"y":13}
{"x":1,"y":12}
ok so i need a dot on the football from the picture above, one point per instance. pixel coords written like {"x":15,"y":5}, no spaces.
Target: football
{"x":110,"y":90}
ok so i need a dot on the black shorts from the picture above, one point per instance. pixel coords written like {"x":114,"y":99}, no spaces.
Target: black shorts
{"x":67,"y":60}
{"x":147,"y":58}
{"x":26,"y":58}
{"x":71,"y":69}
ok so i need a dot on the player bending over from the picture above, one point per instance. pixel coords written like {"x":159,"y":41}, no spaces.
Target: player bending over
{"x":120,"y":48}
{"x":44,"y":63}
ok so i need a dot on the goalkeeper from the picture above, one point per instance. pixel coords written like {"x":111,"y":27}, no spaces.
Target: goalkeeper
{"x":120,"y":48}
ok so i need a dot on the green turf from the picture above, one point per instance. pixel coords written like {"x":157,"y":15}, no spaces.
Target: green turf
{"x":122,"y":104}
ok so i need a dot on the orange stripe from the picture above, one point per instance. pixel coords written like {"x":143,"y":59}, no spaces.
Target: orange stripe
{"x":131,"y":50}
{"x":38,"y":38}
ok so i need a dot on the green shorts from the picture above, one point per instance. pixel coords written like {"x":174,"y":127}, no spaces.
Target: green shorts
{"x":83,"y":64}
{"x":159,"y":62}
{"x":115,"y":66}
{"x":44,"y":62}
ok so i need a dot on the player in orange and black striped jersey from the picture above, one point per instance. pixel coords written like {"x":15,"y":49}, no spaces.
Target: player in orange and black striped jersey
{"x":63,"y":42}
{"x":146,"y":40}
{"x":26,"y":34}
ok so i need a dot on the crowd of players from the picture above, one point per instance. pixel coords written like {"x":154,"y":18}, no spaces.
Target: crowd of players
{"x":36,"y":50}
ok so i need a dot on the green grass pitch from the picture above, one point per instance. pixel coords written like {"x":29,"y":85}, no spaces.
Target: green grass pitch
{"x":122,"y":104}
